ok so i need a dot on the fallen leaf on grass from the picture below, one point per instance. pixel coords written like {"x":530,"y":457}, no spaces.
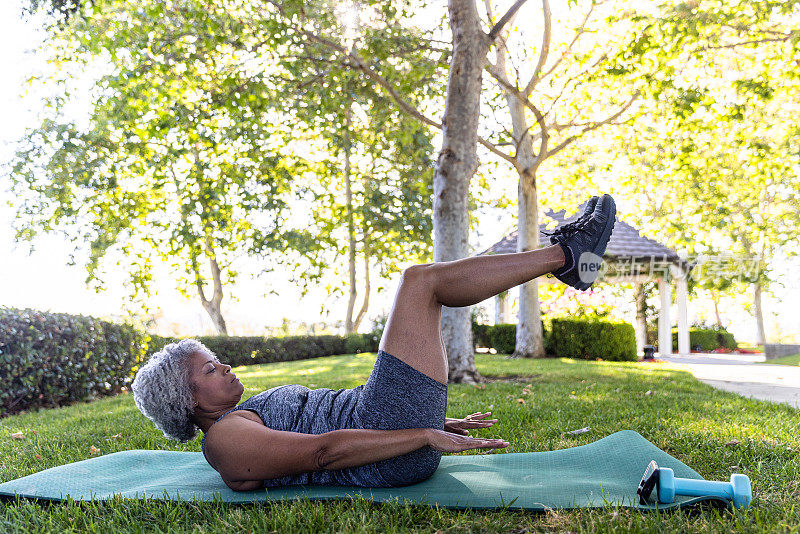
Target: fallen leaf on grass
{"x":480,"y":386}
{"x":521,"y":401}
{"x":733,"y":443}
{"x":578,"y":432}
{"x":17,"y":435}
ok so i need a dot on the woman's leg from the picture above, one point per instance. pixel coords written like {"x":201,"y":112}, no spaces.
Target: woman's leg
{"x":412,"y":332}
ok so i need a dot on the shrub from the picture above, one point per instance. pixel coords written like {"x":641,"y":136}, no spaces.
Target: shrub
{"x":706,"y":339}
{"x":503,"y":338}
{"x":355,"y":343}
{"x":252,"y":350}
{"x":727,"y":340}
{"x":590,"y":339}
{"x":51,"y":359}
{"x":480,"y":335}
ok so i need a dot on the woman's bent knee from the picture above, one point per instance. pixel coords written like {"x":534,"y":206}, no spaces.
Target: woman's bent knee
{"x":418,"y":272}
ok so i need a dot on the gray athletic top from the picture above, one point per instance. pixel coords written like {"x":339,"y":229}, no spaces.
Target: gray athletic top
{"x":296,"y":408}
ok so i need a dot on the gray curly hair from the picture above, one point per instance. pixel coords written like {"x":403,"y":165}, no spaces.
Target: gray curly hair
{"x":162,"y":390}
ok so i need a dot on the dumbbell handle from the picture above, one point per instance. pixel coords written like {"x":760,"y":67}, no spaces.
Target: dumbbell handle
{"x":700,"y":488}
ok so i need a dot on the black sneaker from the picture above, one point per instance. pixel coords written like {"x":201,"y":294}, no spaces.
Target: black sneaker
{"x":584,"y":241}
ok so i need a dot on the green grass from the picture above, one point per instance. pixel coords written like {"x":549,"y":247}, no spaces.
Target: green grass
{"x":683,"y":416}
{"x":786,"y":360}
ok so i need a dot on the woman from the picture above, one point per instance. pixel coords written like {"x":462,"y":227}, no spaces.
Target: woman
{"x":388,"y":432}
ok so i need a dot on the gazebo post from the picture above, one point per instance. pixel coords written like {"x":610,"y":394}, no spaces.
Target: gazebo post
{"x":640,"y":323}
{"x":664,"y":323}
{"x":682,"y":298}
{"x":502,"y":308}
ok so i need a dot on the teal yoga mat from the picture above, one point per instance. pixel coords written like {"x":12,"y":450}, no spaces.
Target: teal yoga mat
{"x":607,"y":471}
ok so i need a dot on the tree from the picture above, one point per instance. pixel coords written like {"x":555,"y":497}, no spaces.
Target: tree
{"x":457,"y":160}
{"x":722,"y":143}
{"x":564,"y":97}
{"x":381,"y":158}
{"x":188,"y":122}
{"x":173,"y":159}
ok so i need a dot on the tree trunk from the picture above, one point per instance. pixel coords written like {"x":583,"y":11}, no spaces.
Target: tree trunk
{"x":213,"y":306}
{"x":365,"y":303}
{"x":761,"y":337}
{"x":641,"y":316}
{"x":351,"y":238}
{"x":455,"y":165}
{"x":530,"y":341}
{"x":715,"y":300}
{"x":530,"y":338}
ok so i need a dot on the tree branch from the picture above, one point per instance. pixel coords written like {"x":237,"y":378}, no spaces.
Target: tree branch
{"x":504,"y":19}
{"x":544,"y":136}
{"x":512,"y":160}
{"x":594,"y":126}
{"x":566,"y":52}
{"x":785,"y":37}
{"x":542,"y":53}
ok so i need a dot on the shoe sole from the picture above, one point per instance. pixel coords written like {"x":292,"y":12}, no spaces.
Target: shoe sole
{"x":602,"y":243}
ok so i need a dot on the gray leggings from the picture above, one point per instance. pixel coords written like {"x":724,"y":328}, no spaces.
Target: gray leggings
{"x":397,"y":396}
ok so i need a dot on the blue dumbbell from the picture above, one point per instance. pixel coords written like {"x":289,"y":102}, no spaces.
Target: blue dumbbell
{"x":663,"y":478}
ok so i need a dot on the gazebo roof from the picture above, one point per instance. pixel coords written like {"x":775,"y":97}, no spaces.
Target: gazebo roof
{"x":625,"y":244}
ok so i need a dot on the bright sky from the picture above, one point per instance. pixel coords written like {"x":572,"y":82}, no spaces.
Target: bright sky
{"x":44,"y":281}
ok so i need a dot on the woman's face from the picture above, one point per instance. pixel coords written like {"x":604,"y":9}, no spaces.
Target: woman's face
{"x":215,"y":386}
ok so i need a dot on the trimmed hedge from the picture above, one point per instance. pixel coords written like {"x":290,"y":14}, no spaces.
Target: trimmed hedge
{"x":480,"y":335}
{"x":568,"y":338}
{"x":590,"y":339}
{"x":706,"y":339}
{"x":51,"y":359}
{"x":55,"y":359}
{"x":503,"y":338}
{"x":252,"y":350}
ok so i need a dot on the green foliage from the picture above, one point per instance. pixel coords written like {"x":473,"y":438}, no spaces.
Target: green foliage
{"x":249,"y":350}
{"x":355,"y":343}
{"x":480,"y":335}
{"x":590,"y":339}
{"x":198,"y":134}
{"x":719,"y":136}
{"x":706,"y":339}
{"x":50,"y":359}
{"x":503,"y":338}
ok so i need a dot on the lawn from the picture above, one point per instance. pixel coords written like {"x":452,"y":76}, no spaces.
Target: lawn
{"x":712,"y":431}
{"x":786,"y":360}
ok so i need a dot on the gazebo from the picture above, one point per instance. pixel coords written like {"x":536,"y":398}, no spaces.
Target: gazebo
{"x":629,"y":258}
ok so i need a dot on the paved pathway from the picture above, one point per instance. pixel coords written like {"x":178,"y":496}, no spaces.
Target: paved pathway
{"x":742,"y":374}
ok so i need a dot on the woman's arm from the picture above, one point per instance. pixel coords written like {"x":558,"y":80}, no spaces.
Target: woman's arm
{"x":242,"y":450}
{"x":352,"y":447}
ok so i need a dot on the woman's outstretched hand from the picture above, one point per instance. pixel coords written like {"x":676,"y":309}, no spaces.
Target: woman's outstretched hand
{"x":475,"y":420}
{"x":449,"y":442}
